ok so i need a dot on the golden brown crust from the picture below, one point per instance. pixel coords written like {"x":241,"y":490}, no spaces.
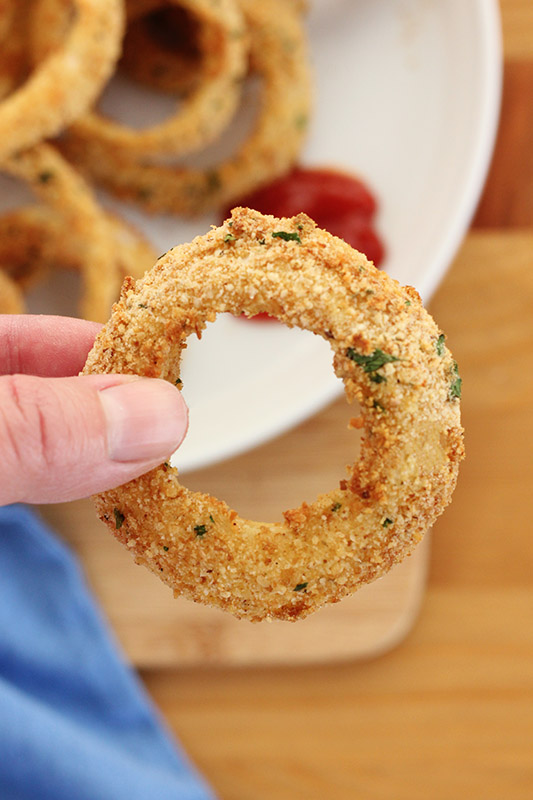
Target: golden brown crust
{"x":279,"y":56}
{"x":54,"y":181}
{"x":37,"y":239}
{"x":66,"y":83}
{"x":392,"y":359}
{"x":200,"y":117}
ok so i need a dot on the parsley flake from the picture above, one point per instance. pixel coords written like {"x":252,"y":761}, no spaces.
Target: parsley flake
{"x":287,"y":236}
{"x":300,"y":587}
{"x":456,"y":385}
{"x":439,"y":345}
{"x":372,"y":363}
{"x":387,"y":522}
{"x":200,"y":529}
{"x":119,"y":518}
{"x":336,"y":506}
{"x":229,"y":237}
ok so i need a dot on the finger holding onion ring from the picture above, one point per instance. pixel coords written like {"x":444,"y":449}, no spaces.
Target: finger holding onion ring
{"x":392,"y":359}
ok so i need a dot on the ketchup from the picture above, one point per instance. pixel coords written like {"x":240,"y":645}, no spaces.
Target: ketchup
{"x":336,"y":201}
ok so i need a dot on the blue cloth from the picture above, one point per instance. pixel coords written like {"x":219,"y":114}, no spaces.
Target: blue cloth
{"x":75,"y":721}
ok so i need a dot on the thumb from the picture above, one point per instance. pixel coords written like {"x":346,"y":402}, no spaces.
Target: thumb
{"x":66,"y":438}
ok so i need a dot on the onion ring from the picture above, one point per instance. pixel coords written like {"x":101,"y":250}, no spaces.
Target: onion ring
{"x":392,"y":359}
{"x":67,"y":82}
{"x":201,"y":116}
{"x":55,"y":182}
{"x":175,"y":69}
{"x":35,"y":240}
{"x":279,"y":55}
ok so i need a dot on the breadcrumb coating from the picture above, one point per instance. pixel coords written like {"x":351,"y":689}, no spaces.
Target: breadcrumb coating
{"x":392,"y":359}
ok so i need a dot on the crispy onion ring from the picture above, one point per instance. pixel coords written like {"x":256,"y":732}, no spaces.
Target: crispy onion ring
{"x":392,"y":359}
{"x":201,"y":116}
{"x":35,"y":240}
{"x":149,"y":58}
{"x":67,"y":82}
{"x":55,"y":182}
{"x":279,"y":55}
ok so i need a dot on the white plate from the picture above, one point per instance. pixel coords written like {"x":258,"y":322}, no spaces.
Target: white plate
{"x":408,"y":95}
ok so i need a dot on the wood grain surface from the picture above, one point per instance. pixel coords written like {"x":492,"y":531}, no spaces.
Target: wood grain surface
{"x":448,"y":713}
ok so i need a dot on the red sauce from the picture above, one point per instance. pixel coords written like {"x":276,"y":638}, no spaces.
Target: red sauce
{"x":336,"y":201}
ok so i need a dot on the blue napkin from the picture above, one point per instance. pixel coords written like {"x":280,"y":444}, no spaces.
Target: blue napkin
{"x":75,"y":721}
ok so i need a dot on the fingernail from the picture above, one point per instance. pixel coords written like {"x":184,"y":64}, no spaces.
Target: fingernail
{"x":146,"y":419}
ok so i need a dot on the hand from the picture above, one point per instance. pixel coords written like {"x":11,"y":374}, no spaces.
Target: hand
{"x":65,"y":437}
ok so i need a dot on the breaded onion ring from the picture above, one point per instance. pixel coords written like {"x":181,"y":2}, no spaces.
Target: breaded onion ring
{"x":55,"y":182}
{"x":67,"y":82}
{"x":35,"y":240}
{"x":152,"y":55}
{"x":279,"y":56}
{"x":201,"y":116}
{"x":391,"y":357}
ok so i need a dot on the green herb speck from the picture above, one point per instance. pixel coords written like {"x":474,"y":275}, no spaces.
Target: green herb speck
{"x":200,"y":529}
{"x":287,"y":236}
{"x":336,"y":506}
{"x":373,"y":362}
{"x":387,"y":522}
{"x":119,"y":518}
{"x":456,"y":385}
{"x":300,"y":587}
{"x":229,"y":237}
{"x":439,"y":345}
{"x":165,"y":548}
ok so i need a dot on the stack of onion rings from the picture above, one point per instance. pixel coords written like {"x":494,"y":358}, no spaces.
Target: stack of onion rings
{"x":278,"y":52}
{"x":392,"y":359}
{"x":200,"y":117}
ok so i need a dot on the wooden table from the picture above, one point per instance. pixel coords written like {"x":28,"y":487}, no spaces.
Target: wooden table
{"x":448,"y":712}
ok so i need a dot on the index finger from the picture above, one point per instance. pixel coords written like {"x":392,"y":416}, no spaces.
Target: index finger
{"x":46,"y":346}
